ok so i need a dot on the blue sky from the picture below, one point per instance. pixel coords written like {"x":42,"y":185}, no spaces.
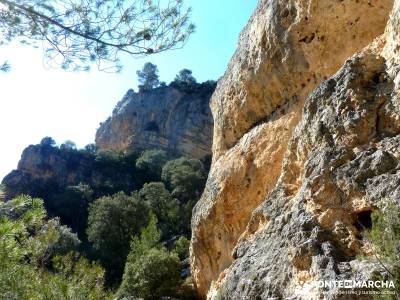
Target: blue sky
{"x":37,"y":102}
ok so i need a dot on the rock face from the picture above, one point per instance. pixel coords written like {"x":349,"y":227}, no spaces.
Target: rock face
{"x":306,"y":145}
{"x":44,"y":170}
{"x":174,"y":119}
{"x":43,"y":166}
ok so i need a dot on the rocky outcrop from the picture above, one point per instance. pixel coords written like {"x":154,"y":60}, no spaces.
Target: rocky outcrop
{"x":172,"y":118}
{"x":44,"y":170}
{"x":293,"y":173}
{"x":42,"y":167}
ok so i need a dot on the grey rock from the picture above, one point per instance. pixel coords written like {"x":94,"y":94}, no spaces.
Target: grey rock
{"x":168,"y":118}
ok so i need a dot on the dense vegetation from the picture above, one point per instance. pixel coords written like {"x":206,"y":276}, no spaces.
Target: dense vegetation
{"x":130,"y":217}
{"x":38,"y":258}
{"x":121,"y":220}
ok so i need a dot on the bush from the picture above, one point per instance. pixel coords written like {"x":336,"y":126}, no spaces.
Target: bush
{"x":185,"y":177}
{"x":182,"y":248}
{"x":385,"y":239}
{"x":150,"y":271}
{"x":151,"y":163}
{"x":155,"y":275}
{"x":50,"y":241}
{"x":162,"y":204}
{"x":150,"y":237}
{"x":27,"y":240}
{"x":71,"y":205}
{"x":113,"y":222}
{"x":108,"y":158}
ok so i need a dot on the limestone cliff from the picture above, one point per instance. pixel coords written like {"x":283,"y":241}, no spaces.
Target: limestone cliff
{"x":306,"y":143}
{"x":43,"y":166}
{"x":170,"y":118}
{"x":44,"y":169}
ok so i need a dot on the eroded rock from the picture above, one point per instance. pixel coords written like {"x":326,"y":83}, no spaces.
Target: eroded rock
{"x":173,"y":119}
{"x":290,"y":176}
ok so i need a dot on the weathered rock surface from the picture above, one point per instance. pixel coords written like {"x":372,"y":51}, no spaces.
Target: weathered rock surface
{"x":43,"y":170}
{"x":293,"y":172}
{"x":169,"y":118}
{"x":42,"y":166}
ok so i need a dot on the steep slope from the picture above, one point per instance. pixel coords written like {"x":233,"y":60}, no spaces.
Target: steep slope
{"x":291,"y":176}
{"x":171,"y":118}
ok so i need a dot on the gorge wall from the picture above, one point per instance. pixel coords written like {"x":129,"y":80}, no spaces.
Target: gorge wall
{"x":306,"y":141}
{"x":174,"y":118}
{"x":45,"y":169}
{"x":171,"y":118}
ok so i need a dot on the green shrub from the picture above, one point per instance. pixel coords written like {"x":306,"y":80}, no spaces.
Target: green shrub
{"x":150,"y":163}
{"x":71,"y":205}
{"x":181,"y":247}
{"x":113,"y":222}
{"x":149,"y":238}
{"x":108,"y":157}
{"x":150,"y":271}
{"x":385,"y":239}
{"x":27,"y":240}
{"x":163,"y":206}
{"x":155,"y":274}
{"x":185,"y":177}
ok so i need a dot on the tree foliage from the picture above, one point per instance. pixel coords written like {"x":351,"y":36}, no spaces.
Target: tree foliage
{"x":150,"y":237}
{"x":185,"y":177}
{"x":76,"y":33}
{"x":72,"y":206}
{"x":48,"y":141}
{"x":151,"y":163}
{"x":181,"y":247}
{"x":29,"y":243}
{"x":91,"y":148}
{"x":385,"y":239}
{"x":68,"y":145}
{"x":5,"y":67}
{"x":151,"y":271}
{"x":162,"y":205}
{"x":148,"y":77}
{"x":185,"y":78}
{"x":112,"y":223}
{"x":156,"y":275}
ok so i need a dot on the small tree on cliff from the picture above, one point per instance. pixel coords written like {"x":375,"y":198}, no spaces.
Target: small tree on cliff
{"x":148,"y":77}
{"x":68,"y":145}
{"x":48,"y":141}
{"x":185,"y":78}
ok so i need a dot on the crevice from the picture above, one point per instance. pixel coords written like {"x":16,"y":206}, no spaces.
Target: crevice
{"x":307,"y":39}
{"x":363,"y":220}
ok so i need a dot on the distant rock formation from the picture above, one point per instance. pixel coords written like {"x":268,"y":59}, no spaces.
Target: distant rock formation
{"x":44,"y":170}
{"x":306,"y":145}
{"x":43,"y":167}
{"x":171,"y":118}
